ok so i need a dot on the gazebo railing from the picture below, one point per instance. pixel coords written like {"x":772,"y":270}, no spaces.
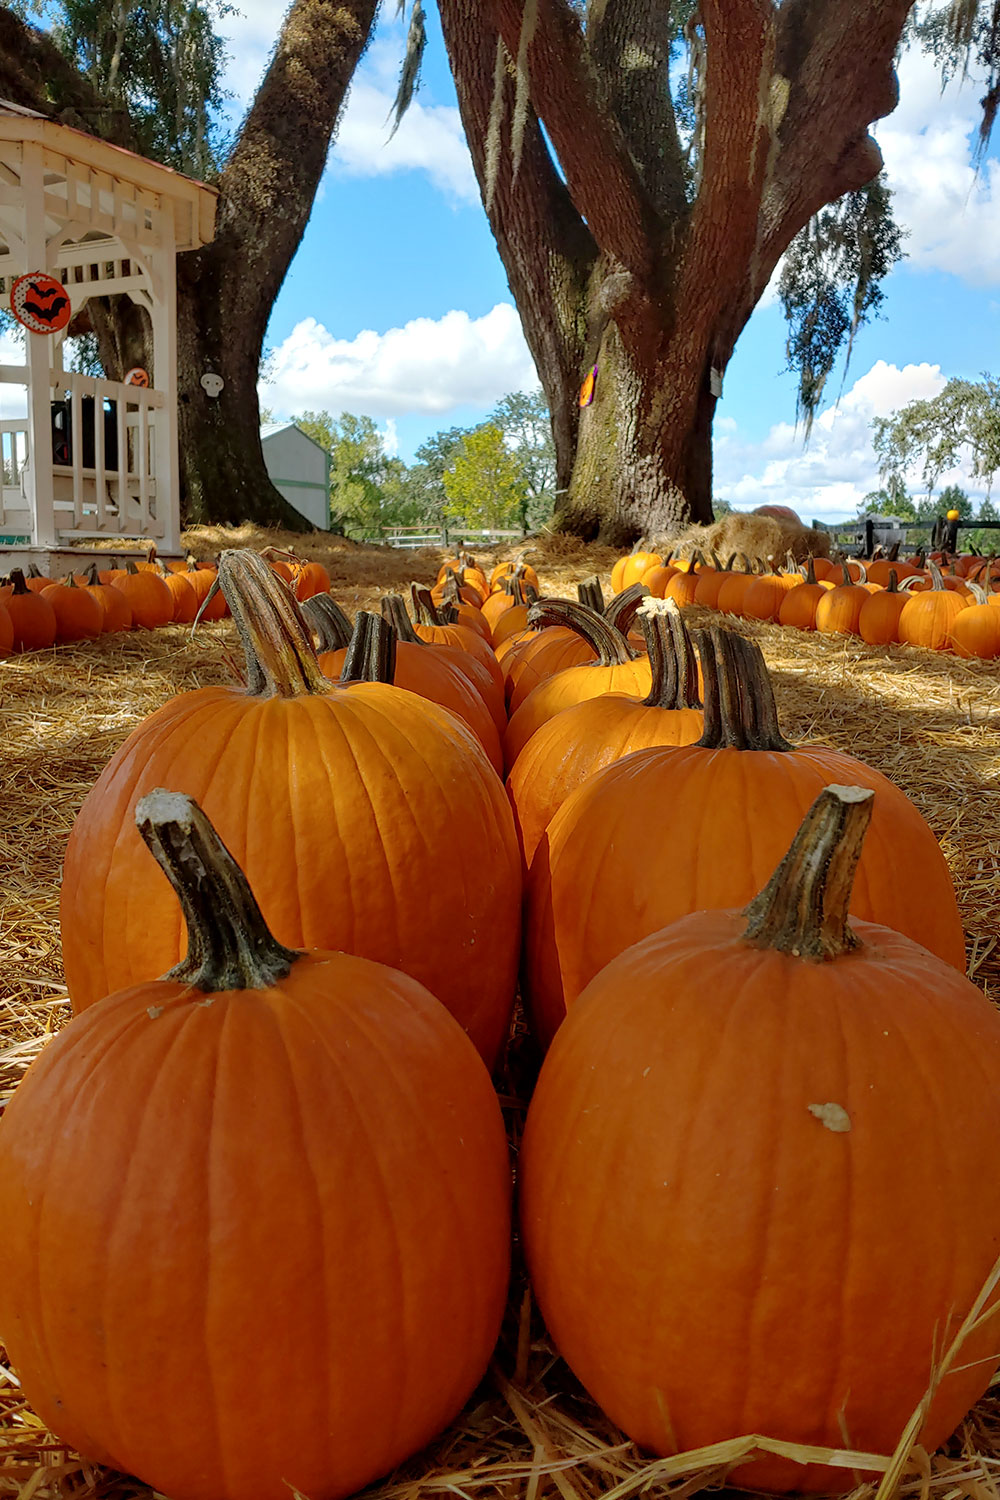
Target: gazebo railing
{"x":104,"y":477}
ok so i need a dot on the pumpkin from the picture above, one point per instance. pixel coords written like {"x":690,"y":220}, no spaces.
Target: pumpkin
{"x":453,"y":589}
{"x":764,"y":596}
{"x":481,"y":674}
{"x":117,"y":610}
{"x":630,"y":569}
{"x":445,"y":626}
{"x":79,"y":616}
{"x":838,"y":611}
{"x":742,"y":791}
{"x":798,"y":607}
{"x":929,"y":615}
{"x":211,"y":601}
{"x":976,"y":630}
{"x":514,"y":597}
{"x":149,"y":598}
{"x":507,"y":569}
{"x":732,"y":591}
{"x":283,"y":1151}
{"x":7,"y":631}
{"x":311,"y":579}
{"x":540,"y":654}
{"x":878,"y":620}
{"x":578,"y":742}
{"x":710,"y":581}
{"x":415,"y":666}
{"x":33,"y":620}
{"x":719,"y":1167}
{"x":682,"y":587}
{"x":184,"y":598}
{"x":618,"y":668}
{"x":337,"y":801}
{"x":37,"y":581}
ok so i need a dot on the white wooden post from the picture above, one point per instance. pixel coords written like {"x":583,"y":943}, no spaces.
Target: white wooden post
{"x":164,"y":317}
{"x":41,"y":489}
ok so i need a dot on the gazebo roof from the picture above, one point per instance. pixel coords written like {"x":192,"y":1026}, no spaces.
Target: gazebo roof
{"x":80,"y":167}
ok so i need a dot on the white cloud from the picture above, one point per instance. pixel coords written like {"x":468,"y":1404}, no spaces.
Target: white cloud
{"x":430,"y":139}
{"x":831,"y":476}
{"x":427,"y":367}
{"x":952,"y":213}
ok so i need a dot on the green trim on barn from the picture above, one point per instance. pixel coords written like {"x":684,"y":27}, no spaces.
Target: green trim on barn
{"x":301,"y":484}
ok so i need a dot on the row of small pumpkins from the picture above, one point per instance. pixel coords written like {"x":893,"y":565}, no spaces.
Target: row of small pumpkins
{"x":37,"y":612}
{"x":881,"y":601}
{"x":285,"y":1143}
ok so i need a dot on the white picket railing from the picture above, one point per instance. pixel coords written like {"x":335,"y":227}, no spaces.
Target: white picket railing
{"x":105,"y":433}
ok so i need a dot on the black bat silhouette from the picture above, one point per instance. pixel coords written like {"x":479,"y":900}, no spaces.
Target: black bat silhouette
{"x":47,"y":314}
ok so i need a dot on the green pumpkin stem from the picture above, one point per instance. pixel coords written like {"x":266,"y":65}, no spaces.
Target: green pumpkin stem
{"x":672,"y":661}
{"x":803,"y":908}
{"x":280,"y":659}
{"x":590,"y":593}
{"x":393,"y":607}
{"x":371,"y":655}
{"x":740,"y":712}
{"x":328,"y":622}
{"x":609,"y":645}
{"x":229,"y":944}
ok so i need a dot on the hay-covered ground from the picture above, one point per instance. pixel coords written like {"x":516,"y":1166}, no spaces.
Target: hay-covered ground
{"x":931,"y":723}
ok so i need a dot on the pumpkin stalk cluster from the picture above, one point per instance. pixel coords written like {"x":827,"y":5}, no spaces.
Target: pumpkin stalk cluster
{"x":280,"y":658}
{"x":802,"y":911}
{"x":671,"y":656}
{"x":230,"y":946}
{"x":740,"y":711}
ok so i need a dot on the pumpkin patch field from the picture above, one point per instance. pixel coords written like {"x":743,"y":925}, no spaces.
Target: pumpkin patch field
{"x":688,"y":851}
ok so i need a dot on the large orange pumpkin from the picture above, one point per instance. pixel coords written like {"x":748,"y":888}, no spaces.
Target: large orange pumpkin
{"x":839,"y":609}
{"x":338,"y":802}
{"x":720,"y":1163}
{"x":976,"y":630}
{"x":580,"y":741}
{"x":79,"y":616}
{"x":281,"y":1155}
{"x":930,"y":613}
{"x":618,"y":668}
{"x":739,"y":794}
{"x":798,"y":607}
{"x":33,"y":620}
{"x":878,"y":619}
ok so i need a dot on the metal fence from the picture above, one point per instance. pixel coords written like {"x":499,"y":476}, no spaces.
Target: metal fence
{"x":864,"y":535}
{"x":400,"y":536}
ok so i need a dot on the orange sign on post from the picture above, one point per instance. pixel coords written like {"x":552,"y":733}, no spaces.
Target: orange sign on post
{"x":587,"y":389}
{"x":40,"y":303}
{"x":137,"y":376}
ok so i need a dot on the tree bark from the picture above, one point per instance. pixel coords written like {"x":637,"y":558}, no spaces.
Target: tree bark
{"x":617,"y":259}
{"x":225,"y":291}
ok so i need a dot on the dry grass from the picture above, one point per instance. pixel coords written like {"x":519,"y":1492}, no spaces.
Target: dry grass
{"x":929,"y":722}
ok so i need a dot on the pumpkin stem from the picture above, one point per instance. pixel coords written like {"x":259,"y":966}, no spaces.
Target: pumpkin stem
{"x":229,"y":944}
{"x":18,"y":583}
{"x":623,"y":608}
{"x":810,"y":571}
{"x":371,"y":655}
{"x":590,"y":593}
{"x":280,"y":659}
{"x":892,"y":587}
{"x":937,"y":579}
{"x":610,"y":646}
{"x":393,"y":607}
{"x":740,"y":712}
{"x":802,"y":910}
{"x":328,"y":621}
{"x":423,"y":605}
{"x":671,"y":656}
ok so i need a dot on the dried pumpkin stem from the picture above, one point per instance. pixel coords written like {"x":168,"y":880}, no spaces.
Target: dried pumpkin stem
{"x":230,"y":946}
{"x":672,"y":661}
{"x":423,"y":605}
{"x":740,"y":711}
{"x":610,"y":646}
{"x":328,"y":622}
{"x":590,"y":593}
{"x":803,"y":908}
{"x":371,"y":655}
{"x":280,"y":659}
{"x":393,"y":607}
{"x":623,"y":608}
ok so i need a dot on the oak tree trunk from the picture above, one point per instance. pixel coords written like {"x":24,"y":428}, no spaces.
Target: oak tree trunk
{"x":620,"y":258}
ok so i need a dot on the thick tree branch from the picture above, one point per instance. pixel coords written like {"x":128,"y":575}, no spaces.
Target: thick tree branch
{"x":841,"y":77}
{"x":630,"y":42}
{"x":565,"y":92}
{"x":267,"y":188}
{"x":546,"y":248}
{"x":35,"y":74}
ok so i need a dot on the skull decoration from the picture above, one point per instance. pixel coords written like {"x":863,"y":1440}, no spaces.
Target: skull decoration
{"x":212,"y":384}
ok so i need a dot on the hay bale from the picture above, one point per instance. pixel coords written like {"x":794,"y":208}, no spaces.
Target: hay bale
{"x":766,"y":539}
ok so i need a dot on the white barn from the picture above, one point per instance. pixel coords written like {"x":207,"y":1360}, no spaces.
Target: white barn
{"x":299,"y":468}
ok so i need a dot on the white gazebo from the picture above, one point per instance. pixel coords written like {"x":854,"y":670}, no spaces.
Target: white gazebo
{"x":91,"y":457}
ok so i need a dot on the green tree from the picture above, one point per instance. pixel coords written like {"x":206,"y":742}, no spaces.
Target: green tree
{"x":485,"y":484}
{"x":369,"y":488}
{"x":524,"y":420}
{"x":936,"y":434}
{"x":433,"y":459}
{"x":985,"y":541}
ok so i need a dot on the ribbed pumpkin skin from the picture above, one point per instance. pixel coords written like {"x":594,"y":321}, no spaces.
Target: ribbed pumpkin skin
{"x":928,"y":618}
{"x":318,"y":1171}
{"x":591,"y":893}
{"x":976,"y":632}
{"x":542,"y":655}
{"x":704,"y":1250}
{"x":878,"y":618}
{"x":798,"y":608}
{"x":338,"y":807}
{"x":79,"y":616}
{"x":579,"y":742}
{"x":838,"y":611}
{"x":764,"y":596}
{"x":426,"y":672}
{"x":574,"y":685}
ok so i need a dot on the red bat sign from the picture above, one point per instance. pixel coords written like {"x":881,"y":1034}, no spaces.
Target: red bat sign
{"x":40,"y":302}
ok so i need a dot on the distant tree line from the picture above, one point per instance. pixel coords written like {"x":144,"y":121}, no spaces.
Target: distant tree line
{"x":499,"y":474}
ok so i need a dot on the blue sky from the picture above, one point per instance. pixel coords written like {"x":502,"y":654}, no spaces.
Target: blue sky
{"x":397,"y":304}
